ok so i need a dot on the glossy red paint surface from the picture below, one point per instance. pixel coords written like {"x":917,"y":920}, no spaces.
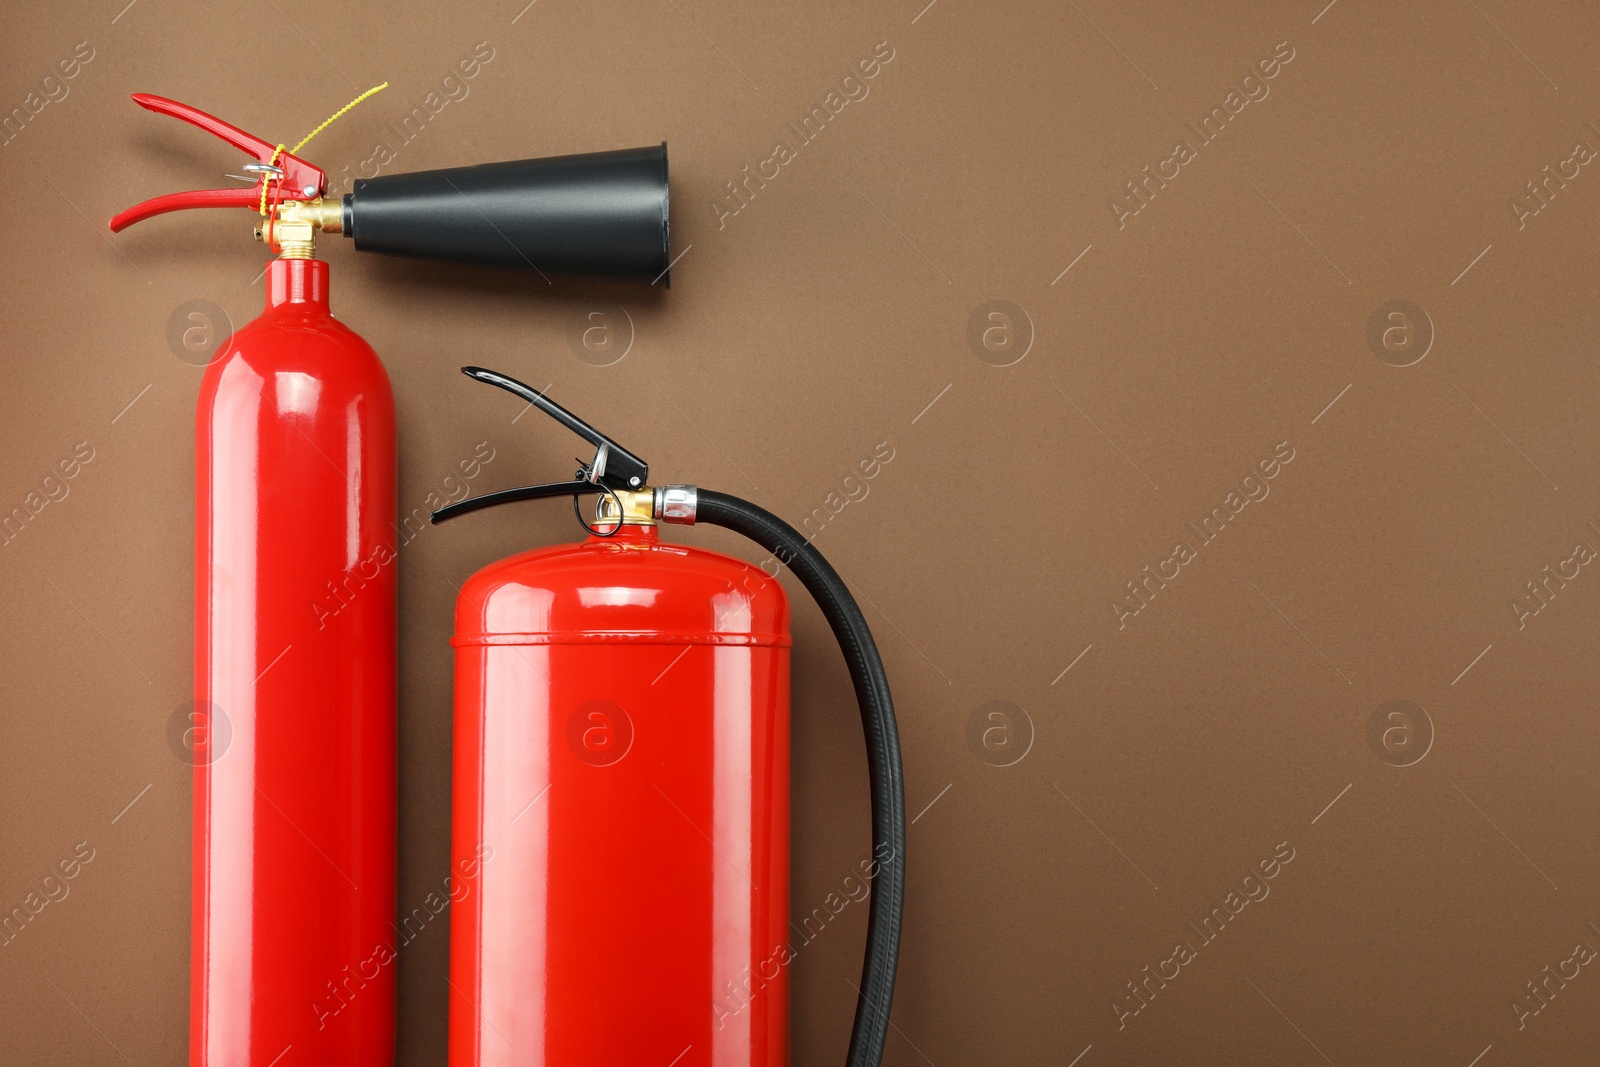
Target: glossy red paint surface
{"x":294,"y":790}
{"x":621,"y":811}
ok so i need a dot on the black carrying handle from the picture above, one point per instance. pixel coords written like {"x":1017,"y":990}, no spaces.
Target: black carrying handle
{"x":612,"y":468}
{"x":511,"y":496}
{"x":594,"y":215}
{"x":619,"y":468}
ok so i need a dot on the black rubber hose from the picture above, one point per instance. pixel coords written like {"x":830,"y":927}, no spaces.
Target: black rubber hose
{"x":791,"y":548}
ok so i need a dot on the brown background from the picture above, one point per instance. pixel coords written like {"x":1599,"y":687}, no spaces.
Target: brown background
{"x":824,"y":318}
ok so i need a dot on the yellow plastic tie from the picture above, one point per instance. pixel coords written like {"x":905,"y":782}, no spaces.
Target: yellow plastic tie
{"x":266,"y":178}
{"x":307,"y":138}
{"x":337,"y":115}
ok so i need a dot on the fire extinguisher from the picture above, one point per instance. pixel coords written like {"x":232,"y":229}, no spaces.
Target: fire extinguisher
{"x":294,"y":844}
{"x":621,"y":785}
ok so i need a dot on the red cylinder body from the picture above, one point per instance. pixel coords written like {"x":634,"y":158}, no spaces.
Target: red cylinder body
{"x":294,"y":789}
{"x":621,"y":810}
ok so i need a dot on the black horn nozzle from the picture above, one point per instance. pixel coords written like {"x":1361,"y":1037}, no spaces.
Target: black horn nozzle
{"x":594,"y":215}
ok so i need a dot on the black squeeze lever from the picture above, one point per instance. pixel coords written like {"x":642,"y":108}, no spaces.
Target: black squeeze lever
{"x":612,"y":468}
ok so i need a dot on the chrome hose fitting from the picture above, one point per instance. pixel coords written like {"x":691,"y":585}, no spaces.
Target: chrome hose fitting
{"x":676,"y":504}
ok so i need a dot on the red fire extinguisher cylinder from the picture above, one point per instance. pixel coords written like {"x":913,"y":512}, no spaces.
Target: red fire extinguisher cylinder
{"x":295,"y":599}
{"x":292,"y":953}
{"x":622,"y":756}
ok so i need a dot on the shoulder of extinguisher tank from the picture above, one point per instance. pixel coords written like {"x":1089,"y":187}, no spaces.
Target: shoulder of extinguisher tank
{"x":297,"y":334}
{"x":598,"y":589}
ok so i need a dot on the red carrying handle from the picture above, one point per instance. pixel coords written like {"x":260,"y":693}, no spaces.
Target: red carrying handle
{"x":302,"y":179}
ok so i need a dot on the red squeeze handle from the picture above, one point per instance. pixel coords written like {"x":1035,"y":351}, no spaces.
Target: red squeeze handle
{"x":298,"y":175}
{"x":243,"y":196}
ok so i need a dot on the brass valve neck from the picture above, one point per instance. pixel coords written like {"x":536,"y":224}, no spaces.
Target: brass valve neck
{"x":291,"y":229}
{"x":638,"y":508}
